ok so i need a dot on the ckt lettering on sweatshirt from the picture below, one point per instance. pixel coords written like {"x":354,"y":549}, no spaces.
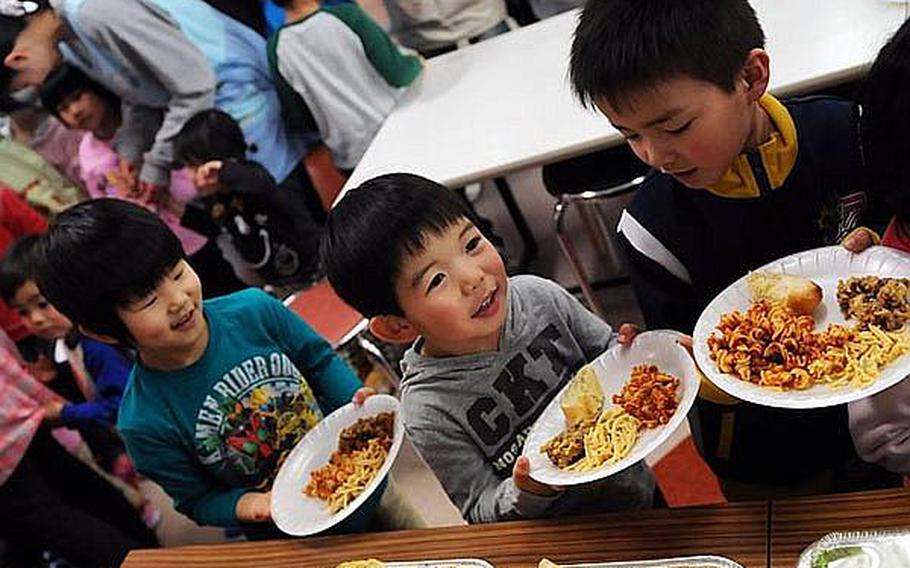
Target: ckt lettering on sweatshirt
{"x":492,"y":424}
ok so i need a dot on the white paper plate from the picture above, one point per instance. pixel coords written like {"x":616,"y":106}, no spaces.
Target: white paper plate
{"x":613,"y":369}
{"x":825,"y":266}
{"x":299,"y":515}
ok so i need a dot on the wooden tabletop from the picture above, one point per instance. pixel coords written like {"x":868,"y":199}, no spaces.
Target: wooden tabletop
{"x":738,"y":531}
{"x":797,"y":523}
{"x":744,"y":532}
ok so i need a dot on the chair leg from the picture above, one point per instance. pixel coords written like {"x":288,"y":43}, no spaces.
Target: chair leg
{"x":571,"y":254}
{"x":376,"y":355}
{"x":594,"y":234}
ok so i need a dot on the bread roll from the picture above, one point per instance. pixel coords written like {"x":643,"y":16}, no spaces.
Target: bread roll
{"x":799,"y":294}
{"x":584,"y":398}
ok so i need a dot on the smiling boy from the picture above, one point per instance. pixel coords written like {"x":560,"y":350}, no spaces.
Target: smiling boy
{"x":222,"y":390}
{"x":739,"y":179}
{"x":489,"y":352}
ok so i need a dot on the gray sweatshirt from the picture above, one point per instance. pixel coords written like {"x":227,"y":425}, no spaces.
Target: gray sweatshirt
{"x":880,"y":426}
{"x":469,"y":415}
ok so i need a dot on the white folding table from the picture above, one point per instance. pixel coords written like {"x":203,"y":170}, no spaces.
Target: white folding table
{"x":505,"y":104}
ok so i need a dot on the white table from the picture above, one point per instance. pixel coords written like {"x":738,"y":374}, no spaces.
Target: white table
{"x":505,"y":104}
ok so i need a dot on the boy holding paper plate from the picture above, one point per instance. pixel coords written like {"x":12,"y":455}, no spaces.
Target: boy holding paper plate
{"x":739,"y":179}
{"x":222,"y":390}
{"x":489,"y":352}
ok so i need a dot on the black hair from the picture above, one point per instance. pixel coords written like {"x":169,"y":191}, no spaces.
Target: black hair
{"x":210,"y":135}
{"x":67,"y":80}
{"x":100,"y":255}
{"x":374,"y":227}
{"x":18,"y":266}
{"x":623,"y":46}
{"x":10,"y":28}
{"x":885,"y":125}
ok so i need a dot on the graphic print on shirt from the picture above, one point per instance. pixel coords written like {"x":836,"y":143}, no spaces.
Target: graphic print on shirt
{"x":252,"y":418}
{"x":500,"y":424}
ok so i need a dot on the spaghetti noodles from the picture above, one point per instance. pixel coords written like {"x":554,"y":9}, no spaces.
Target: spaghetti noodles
{"x":859,"y":359}
{"x":647,"y":400}
{"x":362,"y":449}
{"x":609,"y":440}
{"x":770,"y":346}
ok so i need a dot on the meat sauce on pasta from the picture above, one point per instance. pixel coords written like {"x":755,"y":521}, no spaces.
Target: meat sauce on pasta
{"x":362,"y":449}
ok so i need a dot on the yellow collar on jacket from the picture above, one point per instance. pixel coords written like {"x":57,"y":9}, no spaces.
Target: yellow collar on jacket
{"x":778,"y":155}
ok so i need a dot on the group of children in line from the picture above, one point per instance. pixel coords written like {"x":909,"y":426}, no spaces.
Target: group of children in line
{"x":223,"y":388}
{"x":134,"y":74}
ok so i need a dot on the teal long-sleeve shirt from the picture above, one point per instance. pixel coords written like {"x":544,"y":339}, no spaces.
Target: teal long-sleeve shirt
{"x":219,"y":428}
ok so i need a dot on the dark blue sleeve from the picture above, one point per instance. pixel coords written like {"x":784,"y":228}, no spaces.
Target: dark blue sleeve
{"x":666,"y":302}
{"x":109,"y":369}
{"x":332,"y":380}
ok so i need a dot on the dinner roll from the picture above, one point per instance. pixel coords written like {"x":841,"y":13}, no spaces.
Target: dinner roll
{"x":797,"y":293}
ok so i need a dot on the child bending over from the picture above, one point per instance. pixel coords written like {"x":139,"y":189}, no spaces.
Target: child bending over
{"x":739,"y":179}
{"x":239,"y":198}
{"x":80,"y":102}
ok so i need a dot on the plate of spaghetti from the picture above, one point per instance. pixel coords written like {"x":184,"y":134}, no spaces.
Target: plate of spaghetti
{"x":853,"y":342}
{"x":335,"y":468}
{"x":615,"y":411}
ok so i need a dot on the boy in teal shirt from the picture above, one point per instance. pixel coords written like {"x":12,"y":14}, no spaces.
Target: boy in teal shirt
{"x":222,"y":390}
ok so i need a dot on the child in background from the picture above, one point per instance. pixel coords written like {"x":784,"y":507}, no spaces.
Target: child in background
{"x":337,"y":71}
{"x":739,"y":180}
{"x":239,"y":198}
{"x":89,"y":375}
{"x":39,"y":158}
{"x":206,"y":410}
{"x":167,"y":60}
{"x":489,"y":352}
{"x":880,"y":424}
{"x":51,"y":500}
{"x":433,"y":28}
{"x":81,"y":103}
{"x":17,"y":219}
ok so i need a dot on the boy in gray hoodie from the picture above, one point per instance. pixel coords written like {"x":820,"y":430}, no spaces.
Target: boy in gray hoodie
{"x":489,"y":352}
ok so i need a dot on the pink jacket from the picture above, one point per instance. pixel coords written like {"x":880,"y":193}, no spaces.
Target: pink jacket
{"x":21,"y":413}
{"x":96,"y":159}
